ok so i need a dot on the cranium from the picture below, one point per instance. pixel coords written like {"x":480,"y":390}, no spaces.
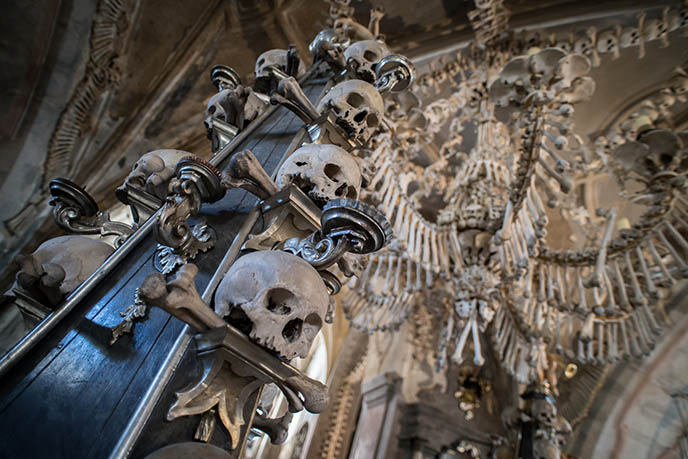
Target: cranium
{"x":153,"y":171}
{"x":275,"y":58}
{"x":226,"y":106}
{"x":629,"y":37}
{"x":483,"y":4}
{"x":679,"y":85}
{"x":348,"y":30}
{"x":276,"y":298}
{"x":323,"y":172}
{"x":544,"y":412}
{"x":357,"y":106}
{"x":607,"y":42}
{"x":60,"y":265}
{"x":362,"y":56}
{"x":655,"y":29}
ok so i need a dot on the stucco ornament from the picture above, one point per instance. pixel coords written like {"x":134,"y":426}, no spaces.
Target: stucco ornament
{"x":59,"y":266}
{"x":324,"y":172}
{"x":358,"y":108}
{"x":276,"y":298}
{"x":153,"y":171}
{"x":362,"y":57}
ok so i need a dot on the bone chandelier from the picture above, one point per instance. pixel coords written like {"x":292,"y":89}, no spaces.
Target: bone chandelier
{"x":455,"y":235}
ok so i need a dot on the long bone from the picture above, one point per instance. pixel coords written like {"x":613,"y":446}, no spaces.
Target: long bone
{"x":612,"y":340}
{"x":624,"y":335}
{"x":561,"y":164}
{"x":245,"y":171}
{"x":565,"y":184}
{"x":638,"y":297}
{"x":290,"y":94}
{"x":668,"y":278}
{"x":397,"y":277}
{"x":611,"y":304}
{"x":634,"y":337}
{"x":409,"y":269}
{"x":419,"y":282}
{"x":582,"y":302}
{"x":651,"y":288}
{"x":621,"y":286}
{"x":478,"y":358}
{"x":595,"y":280}
{"x":435,"y":251}
{"x":550,"y":193}
{"x":677,"y":235}
{"x":683,"y":268}
{"x":600,"y":343}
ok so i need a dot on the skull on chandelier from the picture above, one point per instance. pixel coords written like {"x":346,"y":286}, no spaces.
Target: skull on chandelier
{"x":153,"y":171}
{"x":323,"y":172}
{"x":357,"y":106}
{"x":362,"y":57}
{"x":275,"y":58}
{"x":276,"y":298}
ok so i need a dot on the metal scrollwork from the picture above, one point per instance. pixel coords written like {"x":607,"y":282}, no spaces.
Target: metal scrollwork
{"x":347,"y":226}
{"x":197,"y":182}
{"x":77,"y":212}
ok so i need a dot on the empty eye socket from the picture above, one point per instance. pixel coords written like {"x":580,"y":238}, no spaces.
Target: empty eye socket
{"x":292,"y":331}
{"x":354,"y":99}
{"x":331,"y":171}
{"x":370,"y":56}
{"x":360,"y":116}
{"x":261,"y":61}
{"x":313,"y":320}
{"x":372,"y":120}
{"x":277,"y":300}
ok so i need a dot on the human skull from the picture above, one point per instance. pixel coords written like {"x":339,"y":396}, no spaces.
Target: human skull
{"x":276,"y":298}
{"x":465,"y":308}
{"x":323,"y":172}
{"x":679,"y":85}
{"x":153,"y":171}
{"x":629,"y":37}
{"x":348,"y":30}
{"x":60,"y":265}
{"x":544,"y":412}
{"x":227,"y":105}
{"x":607,"y":42}
{"x":358,"y":108}
{"x":275,"y":58}
{"x":655,"y":29}
{"x":483,"y":4}
{"x":362,"y":56}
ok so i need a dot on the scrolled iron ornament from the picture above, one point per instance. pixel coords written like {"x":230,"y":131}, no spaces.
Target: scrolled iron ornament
{"x":77,"y":212}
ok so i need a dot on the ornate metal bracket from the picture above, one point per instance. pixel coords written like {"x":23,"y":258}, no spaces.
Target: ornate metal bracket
{"x":394,"y":73}
{"x":346,"y":226}
{"x":77,"y":212}
{"x":197,"y":182}
{"x":287,"y":214}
